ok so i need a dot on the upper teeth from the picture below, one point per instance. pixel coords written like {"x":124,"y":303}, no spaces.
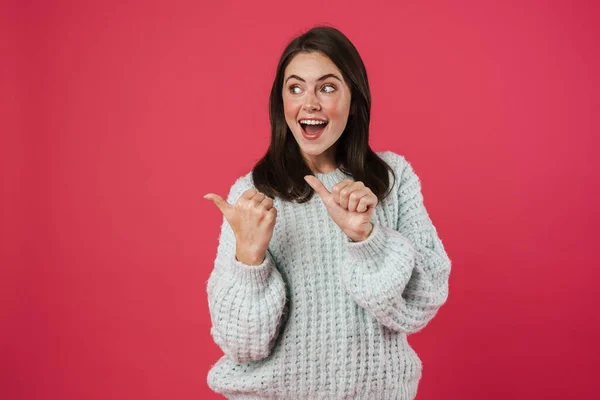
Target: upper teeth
{"x":312,"y":122}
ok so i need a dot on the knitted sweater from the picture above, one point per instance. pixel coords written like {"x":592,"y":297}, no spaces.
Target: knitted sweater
{"x":324,"y":317}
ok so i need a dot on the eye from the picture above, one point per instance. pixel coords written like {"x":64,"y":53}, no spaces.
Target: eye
{"x":295,"y":89}
{"x":328,"y":88}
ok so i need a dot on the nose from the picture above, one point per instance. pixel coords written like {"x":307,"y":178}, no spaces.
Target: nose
{"x":311,"y":103}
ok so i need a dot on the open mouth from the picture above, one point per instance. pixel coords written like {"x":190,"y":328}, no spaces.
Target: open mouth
{"x":312,"y":127}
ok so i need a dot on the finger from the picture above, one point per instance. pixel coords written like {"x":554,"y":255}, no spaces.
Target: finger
{"x":271,"y":216}
{"x":245,"y":200}
{"x":354,"y":198}
{"x":258,"y":197}
{"x":318,"y":186}
{"x":248,"y":194}
{"x":366,"y":202}
{"x":335,"y":190}
{"x":346,"y":191}
{"x":267,"y":203}
{"x":223,"y":205}
{"x":273,"y":213}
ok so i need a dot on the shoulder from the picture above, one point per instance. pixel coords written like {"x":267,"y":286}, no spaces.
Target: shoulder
{"x":238,"y":187}
{"x":398,"y":162}
{"x":406,"y":180}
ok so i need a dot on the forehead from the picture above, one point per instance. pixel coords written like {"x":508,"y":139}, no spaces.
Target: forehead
{"x":311,"y":66}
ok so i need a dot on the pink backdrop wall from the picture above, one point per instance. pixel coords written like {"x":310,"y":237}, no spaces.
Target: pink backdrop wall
{"x":122,"y":115}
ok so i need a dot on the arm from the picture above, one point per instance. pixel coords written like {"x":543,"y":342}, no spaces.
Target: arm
{"x":400,"y":275}
{"x":246,"y":302}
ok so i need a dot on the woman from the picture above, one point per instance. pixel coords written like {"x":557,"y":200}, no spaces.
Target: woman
{"x":312,"y":297}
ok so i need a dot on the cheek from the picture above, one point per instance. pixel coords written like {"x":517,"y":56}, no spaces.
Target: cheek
{"x":290,"y":112}
{"x":339,"y":109}
{"x":290,"y":105}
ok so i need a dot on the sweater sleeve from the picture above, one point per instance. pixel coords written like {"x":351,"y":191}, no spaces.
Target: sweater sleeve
{"x":246,"y":302}
{"x":400,"y":275}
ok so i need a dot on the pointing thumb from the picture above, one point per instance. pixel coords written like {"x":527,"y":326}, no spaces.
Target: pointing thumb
{"x":316,"y":184}
{"x":223,"y":205}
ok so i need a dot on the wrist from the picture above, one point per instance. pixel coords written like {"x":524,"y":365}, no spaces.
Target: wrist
{"x":363,"y":234}
{"x":249,"y":257}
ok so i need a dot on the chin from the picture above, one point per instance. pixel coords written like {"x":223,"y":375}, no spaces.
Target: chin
{"x":314,"y":150}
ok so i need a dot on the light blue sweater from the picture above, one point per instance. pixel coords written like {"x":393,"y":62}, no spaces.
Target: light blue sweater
{"x":324,"y":317}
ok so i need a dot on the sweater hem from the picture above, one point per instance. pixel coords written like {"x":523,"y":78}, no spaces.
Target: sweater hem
{"x":408,"y":391}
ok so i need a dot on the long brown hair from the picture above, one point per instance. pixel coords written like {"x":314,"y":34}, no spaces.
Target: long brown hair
{"x":280,"y":173}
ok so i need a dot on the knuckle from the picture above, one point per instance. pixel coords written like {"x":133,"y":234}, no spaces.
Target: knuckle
{"x":256,"y":210}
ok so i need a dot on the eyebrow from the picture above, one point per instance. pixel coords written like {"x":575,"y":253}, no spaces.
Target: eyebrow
{"x":318,"y":80}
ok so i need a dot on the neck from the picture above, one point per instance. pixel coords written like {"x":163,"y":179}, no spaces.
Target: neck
{"x":323,"y":163}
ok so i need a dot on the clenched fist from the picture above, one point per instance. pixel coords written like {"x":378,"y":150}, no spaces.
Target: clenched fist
{"x":350,"y":205}
{"x":252,"y":220}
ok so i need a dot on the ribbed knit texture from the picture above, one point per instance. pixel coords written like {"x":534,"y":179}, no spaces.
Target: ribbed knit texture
{"x":324,"y":317}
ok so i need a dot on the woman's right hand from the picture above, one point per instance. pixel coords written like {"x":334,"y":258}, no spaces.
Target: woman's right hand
{"x":252,"y":220}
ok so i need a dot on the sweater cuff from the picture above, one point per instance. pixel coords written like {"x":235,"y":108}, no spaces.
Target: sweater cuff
{"x":374,"y":247}
{"x":257,"y":275}
{"x":371,"y":247}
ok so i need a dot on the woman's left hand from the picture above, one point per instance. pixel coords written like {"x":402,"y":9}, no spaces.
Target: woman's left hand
{"x":350,"y":204}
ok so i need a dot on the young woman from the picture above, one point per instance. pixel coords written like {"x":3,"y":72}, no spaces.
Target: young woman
{"x":313,"y":296}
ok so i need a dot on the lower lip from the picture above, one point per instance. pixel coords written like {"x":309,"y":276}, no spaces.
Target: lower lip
{"x":312,"y":137}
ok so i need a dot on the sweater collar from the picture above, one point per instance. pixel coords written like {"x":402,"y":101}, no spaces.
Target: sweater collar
{"x":330,"y":179}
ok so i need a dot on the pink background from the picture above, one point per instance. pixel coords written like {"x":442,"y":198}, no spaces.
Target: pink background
{"x":122,"y":115}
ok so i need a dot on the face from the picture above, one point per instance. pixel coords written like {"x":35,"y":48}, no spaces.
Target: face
{"x":316,"y":103}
